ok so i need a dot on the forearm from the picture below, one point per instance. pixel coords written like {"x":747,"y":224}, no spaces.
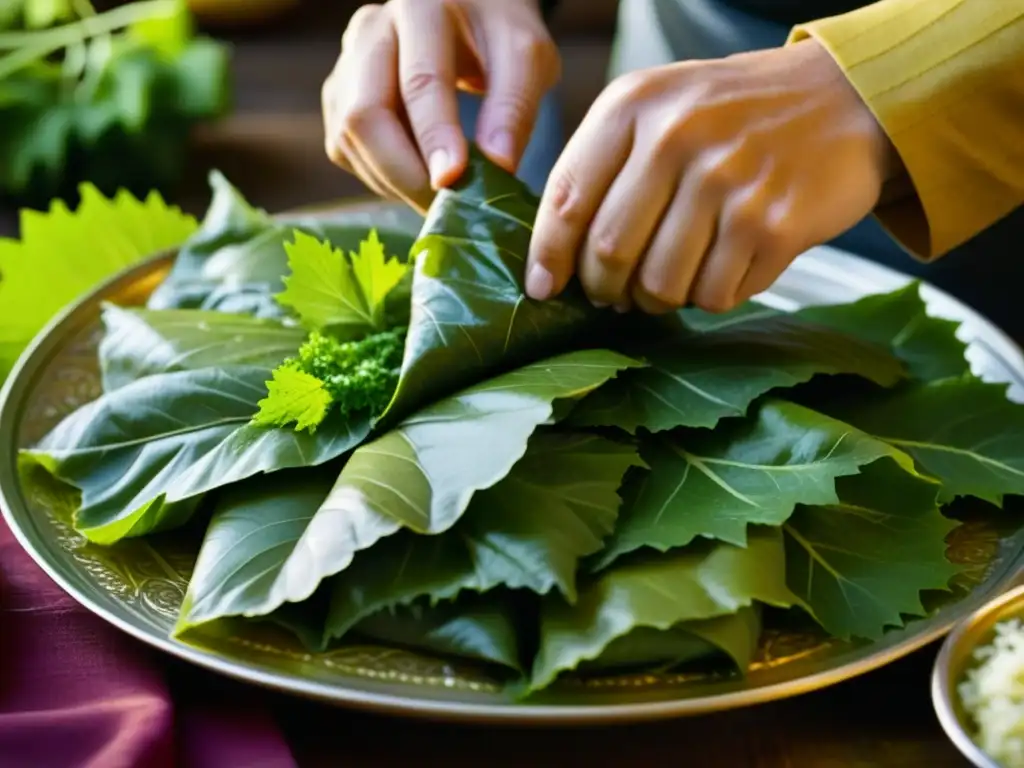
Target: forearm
{"x":945,"y":79}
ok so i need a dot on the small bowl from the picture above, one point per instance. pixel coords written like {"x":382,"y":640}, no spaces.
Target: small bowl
{"x":955,"y":658}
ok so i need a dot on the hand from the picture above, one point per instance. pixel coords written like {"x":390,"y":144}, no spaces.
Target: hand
{"x":700,"y":182}
{"x":390,"y":109}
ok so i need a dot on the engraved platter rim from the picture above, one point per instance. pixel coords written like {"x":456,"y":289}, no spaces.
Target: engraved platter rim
{"x":385,"y":680}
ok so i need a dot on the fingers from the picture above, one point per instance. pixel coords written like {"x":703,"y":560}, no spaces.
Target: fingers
{"x":675,"y":253}
{"x":427,"y":77}
{"x":364,"y":133}
{"x":620,"y":231}
{"x":522,"y":67}
{"x":574,"y":191}
{"x":727,"y":263}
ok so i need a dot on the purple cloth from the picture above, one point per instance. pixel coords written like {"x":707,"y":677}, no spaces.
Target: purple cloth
{"x":77,"y":693}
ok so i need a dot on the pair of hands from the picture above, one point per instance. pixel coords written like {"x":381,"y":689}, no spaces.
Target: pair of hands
{"x":692,"y":183}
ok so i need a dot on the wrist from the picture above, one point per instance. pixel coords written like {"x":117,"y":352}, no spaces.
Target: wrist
{"x":849,"y":108}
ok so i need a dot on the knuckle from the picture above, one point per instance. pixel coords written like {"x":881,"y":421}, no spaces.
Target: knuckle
{"x":627,"y":89}
{"x":745,"y":215}
{"x":359,"y":120}
{"x":537,"y":53}
{"x":716,"y":171}
{"x":420,"y":82}
{"x":605,"y":246}
{"x":360,"y":22}
{"x":515,"y":108}
{"x":434,"y":134}
{"x":776,"y":239}
{"x":563,"y":200}
{"x":335,"y":153}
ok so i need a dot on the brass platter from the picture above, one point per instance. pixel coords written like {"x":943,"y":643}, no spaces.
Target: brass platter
{"x":138,"y":586}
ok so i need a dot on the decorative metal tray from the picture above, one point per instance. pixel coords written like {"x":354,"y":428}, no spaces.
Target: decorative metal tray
{"x":138,"y":586}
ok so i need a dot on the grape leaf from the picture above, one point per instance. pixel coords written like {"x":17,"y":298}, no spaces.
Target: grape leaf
{"x":700,"y":320}
{"x":236,"y":262}
{"x":964,"y":432}
{"x":735,"y":635}
{"x":556,"y":505}
{"x":900,"y":321}
{"x":470,"y":316}
{"x":140,"y":342}
{"x":715,"y":484}
{"x":660,"y":591}
{"x":480,"y":627}
{"x":342,"y":295}
{"x":143,"y":454}
{"x":118,"y":113}
{"x":694,"y":381}
{"x":47,"y":268}
{"x":293,"y":396}
{"x":422,"y":475}
{"x":860,"y":563}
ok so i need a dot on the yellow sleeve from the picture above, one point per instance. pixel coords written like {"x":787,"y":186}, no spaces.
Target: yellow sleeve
{"x":945,"y":79}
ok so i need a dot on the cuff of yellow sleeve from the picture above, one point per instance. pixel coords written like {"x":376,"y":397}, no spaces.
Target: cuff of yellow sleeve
{"x":943,"y":78}
{"x":907,"y":218}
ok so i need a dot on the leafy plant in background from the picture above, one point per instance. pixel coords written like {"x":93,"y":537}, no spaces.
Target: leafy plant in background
{"x":543,"y":487}
{"x":109,"y":98}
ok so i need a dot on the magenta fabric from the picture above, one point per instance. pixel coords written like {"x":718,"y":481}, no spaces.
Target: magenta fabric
{"x":77,"y":693}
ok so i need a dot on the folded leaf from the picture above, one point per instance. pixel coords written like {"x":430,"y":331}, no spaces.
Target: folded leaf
{"x":48,"y":267}
{"x":236,"y":261}
{"x":661,"y":592}
{"x":695,"y":380}
{"x":470,"y":315}
{"x":900,"y":321}
{"x":481,"y":627}
{"x":140,"y":342}
{"x":964,"y":432}
{"x":139,"y":451}
{"x":530,"y":530}
{"x":735,"y":636}
{"x":421,"y":475}
{"x":860,"y":564}
{"x":715,"y":484}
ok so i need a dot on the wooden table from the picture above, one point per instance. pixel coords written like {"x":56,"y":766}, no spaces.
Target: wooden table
{"x":273,"y":150}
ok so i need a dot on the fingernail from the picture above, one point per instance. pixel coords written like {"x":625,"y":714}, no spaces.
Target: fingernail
{"x":622,"y":308}
{"x":540,"y":283}
{"x":502,"y":144}
{"x":440,"y":163}
{"x":600,"y":304}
